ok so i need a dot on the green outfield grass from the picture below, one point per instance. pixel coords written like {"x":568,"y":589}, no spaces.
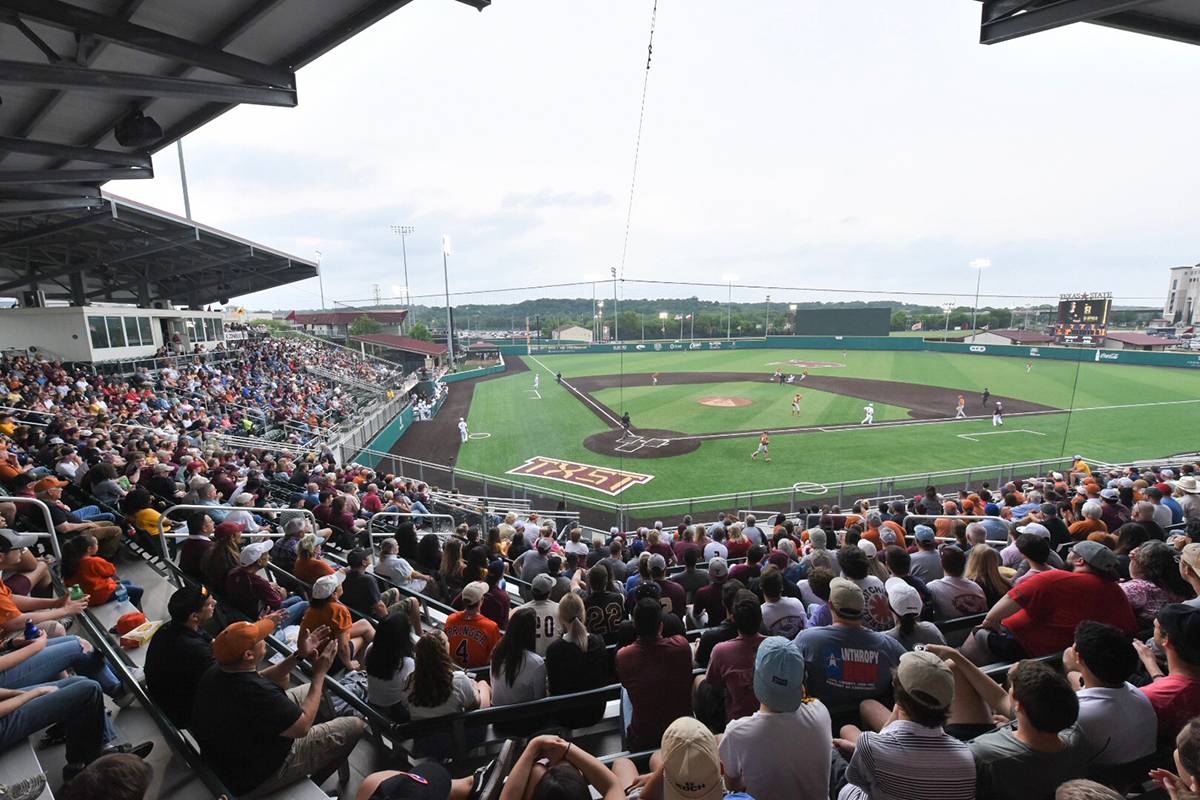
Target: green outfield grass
{"x":678,"y":408}
{"x":1159,"y":416}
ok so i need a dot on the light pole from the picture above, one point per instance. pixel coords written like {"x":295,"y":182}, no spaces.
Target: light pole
{"x":320,"y":280}
{"x":792,"y":316}
{"x":404,"y":231}
{"x":446,"y":278}
{"x":729,"y":278}
{"x":616,"y":307}
{"x":978,"y":264}
{"x":947,"y":307}
{"x":767,"y":318}
{"x":600,"y":325}
{"x":662,"y":323}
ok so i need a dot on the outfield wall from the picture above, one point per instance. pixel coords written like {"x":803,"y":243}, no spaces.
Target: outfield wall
{"x":877,"y":343}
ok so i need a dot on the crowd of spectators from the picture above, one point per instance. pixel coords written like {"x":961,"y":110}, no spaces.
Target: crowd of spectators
{"x":776,"y":658}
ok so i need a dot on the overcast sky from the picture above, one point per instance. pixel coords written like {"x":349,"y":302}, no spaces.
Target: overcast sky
{"x":862,"y":144}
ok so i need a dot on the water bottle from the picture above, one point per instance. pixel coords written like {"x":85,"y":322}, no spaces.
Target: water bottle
{"x":121,"y":594}
{"x":32,"y":631}
{"x":76,"y":592}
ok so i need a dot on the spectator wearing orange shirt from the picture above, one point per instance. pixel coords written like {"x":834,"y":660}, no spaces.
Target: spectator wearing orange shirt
{"x":324,"y":609}
{"x":471,"y":635}
{"x":94,"y":575}
{"x":1090,"y":522}
{"x":309,"y":566}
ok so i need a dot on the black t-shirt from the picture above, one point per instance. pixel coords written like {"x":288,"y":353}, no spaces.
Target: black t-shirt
{"x":360,"y":592}
{"x":570,"y":670}
{"x":237,"y":720}
{"x":711,"y":638}
{"x":58,"y":516}
{"x":176,"y":660}
{"x":671,"y":626}
{"x":1058,"y":531}
{"x":603,"y":612}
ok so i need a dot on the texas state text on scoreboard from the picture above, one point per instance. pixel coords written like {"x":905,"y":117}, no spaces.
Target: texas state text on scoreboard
{"x":1082,"y":318}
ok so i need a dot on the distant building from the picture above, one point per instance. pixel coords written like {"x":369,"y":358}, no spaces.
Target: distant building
{"x":336,"y":324}
{"x":571,"y":333}
{"x":1010,"y":336}
{"x":412,"y":353}
{"x":1183,"y":298}
{"x":1133,"y":340}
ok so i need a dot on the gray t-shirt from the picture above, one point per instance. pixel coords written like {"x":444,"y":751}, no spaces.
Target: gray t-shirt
{"x":462,"y":698}
{"x":762,"y":749}
{"x":1119,"y":725}
{"x":619,"y":571}
{"x":926,"y":565}
{"x":532,"y":564}
{"x":846,"y":665}
{"x":924,"y":633}
{"x":1008,"y":769}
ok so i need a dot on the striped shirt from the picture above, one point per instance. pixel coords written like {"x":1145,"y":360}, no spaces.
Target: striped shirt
{"x":907,"y":761}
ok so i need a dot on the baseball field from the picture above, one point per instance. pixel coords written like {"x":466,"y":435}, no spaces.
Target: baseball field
{"x":696,"y":418}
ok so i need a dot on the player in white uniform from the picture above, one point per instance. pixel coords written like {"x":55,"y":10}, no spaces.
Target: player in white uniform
{"x":462,"y":429}
{"x":537,"y":380}
{"x":960,"y":409}
{"x":869,"y":419}
{"x":1028,"y":367}
{"x":998,"y":414}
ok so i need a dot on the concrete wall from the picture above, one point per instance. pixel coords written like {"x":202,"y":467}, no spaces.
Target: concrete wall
{"x":59,"y":332}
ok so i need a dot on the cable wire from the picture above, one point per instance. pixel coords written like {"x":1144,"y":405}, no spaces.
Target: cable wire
{"x":637,"y":145}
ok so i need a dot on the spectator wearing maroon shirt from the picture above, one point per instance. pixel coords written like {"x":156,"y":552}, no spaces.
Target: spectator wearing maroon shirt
{"x":731,"y":665}
{"x":324,"y":510}
{"x":250,"y":593}
{"x":1175,"y":695}
{"x":372,"y":503}
{"x":683,"y":543}
{"x":707,"y":601}
{"x":196,"y":545}
{"x":670,"y":589}
{"x":656,"y":675}
{"x":751,"y":569}
{"x":1039,"y":615}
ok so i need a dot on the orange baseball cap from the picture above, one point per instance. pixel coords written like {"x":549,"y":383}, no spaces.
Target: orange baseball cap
{"x":48,"y":483}
{"x":234,"y":641}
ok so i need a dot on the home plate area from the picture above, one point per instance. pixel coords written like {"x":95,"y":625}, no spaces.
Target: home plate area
{"x":634,"y":443}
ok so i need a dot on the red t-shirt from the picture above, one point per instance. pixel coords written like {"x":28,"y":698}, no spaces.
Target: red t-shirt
{"x":731,"y":668}
{"x":1054,"y":602}
{"x":657,"y":674}
{"x":1176,"y":699}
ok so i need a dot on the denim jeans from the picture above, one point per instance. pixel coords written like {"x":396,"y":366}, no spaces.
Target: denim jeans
{"x":61,"y":654}
{"x":295,"y":606}
{"x":93,"y":514}
{"x":78,"y":704}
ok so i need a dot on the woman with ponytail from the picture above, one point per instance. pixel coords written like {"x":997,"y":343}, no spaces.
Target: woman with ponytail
{"x":577,"y":661}
{"x":906,"y":606}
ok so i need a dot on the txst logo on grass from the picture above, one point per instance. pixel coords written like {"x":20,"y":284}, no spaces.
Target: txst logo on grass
{"x":602,"y":479}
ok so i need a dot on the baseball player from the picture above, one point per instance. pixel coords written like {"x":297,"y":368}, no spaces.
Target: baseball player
{"x":986,"y":394}
{"x":803,"y":374}
{"x":764,"y":442}
{"x":654,"y":379}
{"x":960,"y":409}
{"x":625,"y":424}
{"x":1028,"y":367}
{"x":998,"y":414}
{"x":869,"y":419}
{"x":462,"y":429}
{"x":796,"y":404}
{"x":537,"y":380}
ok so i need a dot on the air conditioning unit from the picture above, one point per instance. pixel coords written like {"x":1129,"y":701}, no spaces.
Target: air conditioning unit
{"x":35,"y":299}
{"x":161,"y":305}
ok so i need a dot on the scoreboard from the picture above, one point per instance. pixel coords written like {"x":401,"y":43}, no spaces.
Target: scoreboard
{"x":1083,"y":318}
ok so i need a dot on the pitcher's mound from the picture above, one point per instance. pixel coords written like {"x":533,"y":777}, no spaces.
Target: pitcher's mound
{"x":724,"y":402}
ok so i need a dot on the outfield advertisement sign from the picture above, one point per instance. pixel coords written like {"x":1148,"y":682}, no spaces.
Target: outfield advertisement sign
{"x":601,"y":479}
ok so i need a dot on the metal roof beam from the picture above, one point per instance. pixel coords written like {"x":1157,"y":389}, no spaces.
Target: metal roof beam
{"x":148,"y":40}
{"x":34,"y":176}
{"x":41,"y":232}
{"x":160,"y":277}
{"x":29,"y":208}
{"x":1005,"y":19}
{"x":48,"y":191}
{"x":89,"y":154}
{"x":1152,"y":26}
{"x":67,"y":77}
{"x":165,"y":243}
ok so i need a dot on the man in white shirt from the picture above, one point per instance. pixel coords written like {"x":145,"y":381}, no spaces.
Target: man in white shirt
{"x":953,"y":595}
{"x":781,"y":616}
{"x":1116,"y":720}
{"x":462,"y":429}
{"x":397,"y":569}
{"x":546,"y":610}
{"x":758,"y":752}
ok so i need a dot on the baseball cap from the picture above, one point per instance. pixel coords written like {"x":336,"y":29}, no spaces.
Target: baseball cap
{"x":1096,"y":556}
{"x":691,"y":764}
{"x":1125,"y":483}
{"x":926,"y":678}
{"x":778,"y":559}
{"x":902,"y":597}
{"x":474,"y":591}
{"x":424,"y":780}
{"x":544,"y":545}
{"x":541,"y":586}
{"x":239,"y":637}
{"x":846,"y":598}
{"x":1168,"y":472}
{"x":187,"y":601}
{"x":14,"y":540}
{"x":657,"y":562}
{"x":227,"y":530}
{"x":1049,"y":509}
{"x":324,"y":586}
{"x":868,"y":547}
{"x":1191,"y":556}
{"x":253,"y":552}
{"x":924,"y":533}
{"x":1181,"y":622}
{"x":887,"y":535}
{"x":496,"y":567}
{"x":48,"y":483}
{"x":1036,"y":529}
{"x":1154,"y":493}
{"x":357,"y":557}
{"x":779,"y":674}
{"x":719,"y":568}
{"x":817,"y":538}
{"x":1110,"y":494}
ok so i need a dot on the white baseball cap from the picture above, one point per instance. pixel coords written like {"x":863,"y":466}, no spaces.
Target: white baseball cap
{"x":253,"y":552}
{"x":902,"y":597}
{"x":326,"y":585}
{"x":1037,"y":529}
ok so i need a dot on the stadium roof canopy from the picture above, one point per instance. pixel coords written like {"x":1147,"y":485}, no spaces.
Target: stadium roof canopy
{"x":91,"y":88}
{"x":125,"y":252}
{"x":1169,"y":19}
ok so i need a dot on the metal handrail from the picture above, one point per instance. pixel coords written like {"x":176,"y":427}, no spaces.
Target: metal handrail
{"x":49,"y":534}
{"x":371,"y":534}
{"x":162,"y":537}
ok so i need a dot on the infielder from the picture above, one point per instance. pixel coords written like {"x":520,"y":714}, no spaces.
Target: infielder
{"x":998,"y":414}
{"x":537,"y":380}
{"x":462,"y":429}
{"x":764,"y":442}
{"x":654,"y":379}
{"x":986,"y":394}
{"x":796,"y":405}
{"x":960,"y":409}
{"x":1028,"y":367}
{"x":869,"y":419}
{"x":803,"y":374}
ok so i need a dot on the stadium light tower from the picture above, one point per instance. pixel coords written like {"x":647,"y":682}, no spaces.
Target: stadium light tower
{"x":320,"y":280}
{"x":792,"y":318}
{"x":404,"y":231}
{"x":978,"y":264}
{"x":767,"y":318}
{"x":947,"y":307}
{"x":446,"y":278}
{"x":616,"y":307}
{"x":662,"y":323}
{"x":729,"y":278}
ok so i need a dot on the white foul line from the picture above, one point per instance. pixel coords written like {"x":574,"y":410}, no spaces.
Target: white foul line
{"x":971,"y":436}
{"x":581,"y":395}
